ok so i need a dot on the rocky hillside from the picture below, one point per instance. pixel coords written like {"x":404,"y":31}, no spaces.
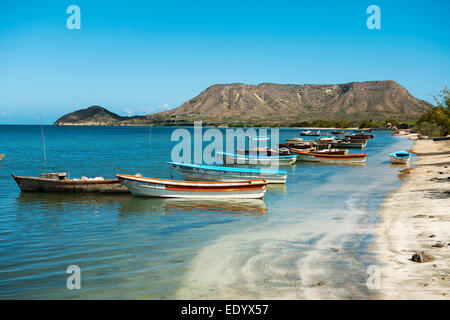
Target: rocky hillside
{"x":272,"y":103}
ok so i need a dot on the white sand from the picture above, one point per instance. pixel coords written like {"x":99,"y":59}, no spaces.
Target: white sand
{"x":409,"y":216}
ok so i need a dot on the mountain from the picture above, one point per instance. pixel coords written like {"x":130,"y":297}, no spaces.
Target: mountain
{"x":288,"y":103}
{"x":94,"y":115}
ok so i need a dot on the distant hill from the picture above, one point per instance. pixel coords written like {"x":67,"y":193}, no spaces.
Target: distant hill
{"x":286,"y":103}
{"x":94,"y":115}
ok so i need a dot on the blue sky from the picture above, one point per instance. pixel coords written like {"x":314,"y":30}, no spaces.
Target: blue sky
{"x":136,"y":57}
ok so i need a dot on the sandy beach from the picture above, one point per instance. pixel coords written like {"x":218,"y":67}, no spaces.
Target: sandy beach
{"x":416,"y":218}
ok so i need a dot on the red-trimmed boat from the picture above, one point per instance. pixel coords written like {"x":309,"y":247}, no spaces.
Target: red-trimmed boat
{"x":331,"y":158}
{"x":153,"y":187}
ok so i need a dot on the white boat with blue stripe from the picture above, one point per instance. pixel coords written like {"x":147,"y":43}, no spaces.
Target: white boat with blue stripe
{"x":400,"y":157}
{"x":257,"y":160}
{"x":201,"y":172}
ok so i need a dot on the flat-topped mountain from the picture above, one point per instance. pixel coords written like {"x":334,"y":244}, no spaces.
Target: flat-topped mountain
{"x":287,"y":103}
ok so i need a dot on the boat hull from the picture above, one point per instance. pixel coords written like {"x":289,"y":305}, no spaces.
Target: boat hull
{"x":395,"y":160}
{"x":314,"y":157}
{"x":198,"y":173}
{"x":258,"y":161}
{"x":81,"y":186}
{"x":150,"y":187}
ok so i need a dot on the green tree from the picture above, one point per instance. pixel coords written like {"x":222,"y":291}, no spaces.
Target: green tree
{"x":436,"y":121}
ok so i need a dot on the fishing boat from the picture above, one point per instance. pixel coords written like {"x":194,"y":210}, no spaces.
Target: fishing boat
{"x":152,"y":187}
{"x":259,"y":138}
{"x":358,"y":137}
{"x":325,"y":140}
{"x":309,"y":133}
{"x":229,"y":158}
{"x":332,"y":158}
{"x":339,"y":133}
{"x":2,"y":156}
{"x":441,"y":138}
{"x":400,"y":133}
{"x":324,"y":151}
{"x":400,"y":157}
{"x":349,"y":144}
{"x":264,"y":151}
{"x":58,"y":182}
{"x":219,"y":173}
{"x":295,"y":140}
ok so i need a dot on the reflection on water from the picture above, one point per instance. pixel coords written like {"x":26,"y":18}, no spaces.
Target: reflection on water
{"x":155,"y":248}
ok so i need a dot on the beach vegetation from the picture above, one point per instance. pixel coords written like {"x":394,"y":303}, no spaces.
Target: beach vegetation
{"x":436,"y":121}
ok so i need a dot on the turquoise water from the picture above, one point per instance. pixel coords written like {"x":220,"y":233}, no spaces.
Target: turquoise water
{"x":134,"y":248}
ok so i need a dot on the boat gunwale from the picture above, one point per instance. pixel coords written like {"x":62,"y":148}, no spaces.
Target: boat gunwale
{"x":334,"y":156}
{"x":227,"y":169}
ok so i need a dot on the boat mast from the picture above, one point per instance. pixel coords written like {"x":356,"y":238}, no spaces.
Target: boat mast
{"x":43,"y":139}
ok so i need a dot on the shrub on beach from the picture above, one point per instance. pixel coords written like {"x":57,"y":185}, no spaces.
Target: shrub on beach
{"x":436,"y":121}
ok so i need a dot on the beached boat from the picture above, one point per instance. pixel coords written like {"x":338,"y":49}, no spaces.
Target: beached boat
{"x":152,"y":187}
{"x":400,"y":133}
{"x":441,"y":138}
{"x":58,"y":182}
{"x":400,"y":157}
{"x":219,"y":173}
{"x":332,"y":158}
{"x":308,"y":133}
{"x":229,"y":158}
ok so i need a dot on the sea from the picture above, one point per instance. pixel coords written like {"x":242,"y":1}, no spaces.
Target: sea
{"x":310,"y":238}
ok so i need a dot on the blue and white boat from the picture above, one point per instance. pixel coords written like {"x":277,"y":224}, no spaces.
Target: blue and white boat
{"x":199,"y":172}
{"x":259,"y":160}
{"x":400,"y":157}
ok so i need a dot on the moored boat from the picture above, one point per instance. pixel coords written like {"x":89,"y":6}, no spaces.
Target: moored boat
{"x":332,"y":158}
{"x":229,"y":158}
{"x":324,"y":151}
{"x":152,"y":187}
{"x":349,"y":144}
{"x":58,"y":182}
{"x":308,"y":133}
{"x":220,"y":173}
{"x":400,"y":157}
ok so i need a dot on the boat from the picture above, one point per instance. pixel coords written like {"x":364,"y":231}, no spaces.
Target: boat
{"x":163,"y":188}
{"x":365,"y":136}
{"x":400,"y":157}
{"x":220,"y":173}
{"x":2,"y":156}
{"x":358,"y":137}
{"x":325,"y":140}
{"x":400,"y":133}
{"x":324,"y":151}
{"x":261,"y":160}
{"x":332,"y":158}
{"x":294,"y":140}
{"x":348,"y":144}
{"x":58,"y":182}
{"x":441,"y":138}
{"x":339,"y":133}
{"x":259,"y":138}
{"x":309,"y":133}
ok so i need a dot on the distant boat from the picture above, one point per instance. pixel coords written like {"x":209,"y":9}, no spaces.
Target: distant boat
{"x":58,"y":182}
{"x":349,"y":144}
{"x":220,"y":173}
{"x":400,"y":133}
{"x":441,"y":138}
{"x":400,"y":157}
{"x":259,"y":138}
{"x":257,"y":160}
{"x":309,"y":133}
{"x":338,"y":133}
{"x":163,"y":188}
{"x":332,"y":158}
{"x":295,"y":140}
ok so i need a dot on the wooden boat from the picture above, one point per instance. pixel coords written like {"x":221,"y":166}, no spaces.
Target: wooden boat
{"x":309,"y":133}
{"x":348,"y":144}
{"x":332,"y":158}
{"x":152,"y":187}
{"x":441,"y":138}
{"x":218,"y":173}
{"x":257,"y":160}
{"x":324,"y":140}
{"x":357,"y":137}
{"x":58,"y":182}
{"x":295,"y":140}
{"x":400,"y":157}
{"x":400,"y":133}
{"x":259,"y":138}
{"x":324,"y":151}
{"x":2,"y":156}
{"x":365,"y":136}
{"x":339,"y":133}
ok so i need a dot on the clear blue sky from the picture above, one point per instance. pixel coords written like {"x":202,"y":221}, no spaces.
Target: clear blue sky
{"x":134,"y":57}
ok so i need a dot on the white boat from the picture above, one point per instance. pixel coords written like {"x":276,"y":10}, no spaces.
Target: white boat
{"x":331,"y":158}
{"x":218,"y":173}
{"x":260,"y":160}
{"x":294,"y":140}
{"x":259,"y":138}
{"x":400,"y":157}
{"x":308,"y":133}
{"x":152,"y":187}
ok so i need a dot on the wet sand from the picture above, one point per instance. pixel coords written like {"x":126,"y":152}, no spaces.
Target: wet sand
{"x":415,"y":218}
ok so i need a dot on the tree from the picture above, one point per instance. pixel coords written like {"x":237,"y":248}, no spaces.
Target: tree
{"x":436,"y":121}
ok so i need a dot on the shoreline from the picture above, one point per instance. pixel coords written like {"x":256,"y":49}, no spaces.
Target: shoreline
{"x":414,"y":218}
